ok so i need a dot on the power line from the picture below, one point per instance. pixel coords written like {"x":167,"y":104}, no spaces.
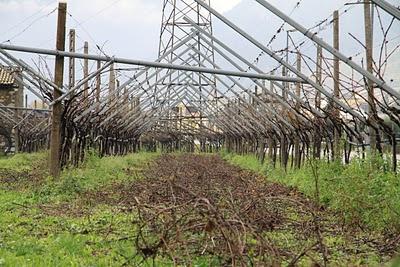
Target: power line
{"x":30,"y":25}
{"x":98,"y":12}
{"x":27,"y":18}
{"x":79,"y":24}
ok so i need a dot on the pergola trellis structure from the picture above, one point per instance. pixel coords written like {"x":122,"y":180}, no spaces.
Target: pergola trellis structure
{"x":174,"y":29}
{"x":184,"y":97}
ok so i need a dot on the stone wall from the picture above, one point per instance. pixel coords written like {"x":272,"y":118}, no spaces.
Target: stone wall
{"x":11,"y":96}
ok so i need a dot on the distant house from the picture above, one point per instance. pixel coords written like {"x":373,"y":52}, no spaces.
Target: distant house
{"x":11,"y":92}
{"x":11,"y":95}
{"x":189,"y":115}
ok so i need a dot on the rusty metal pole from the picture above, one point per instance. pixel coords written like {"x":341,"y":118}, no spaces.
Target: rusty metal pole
{"x":55,"y":135}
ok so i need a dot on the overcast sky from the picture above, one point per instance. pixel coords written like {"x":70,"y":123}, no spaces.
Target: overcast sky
{"x":130,"y":28}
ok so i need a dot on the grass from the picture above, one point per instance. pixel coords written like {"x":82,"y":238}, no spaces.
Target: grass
{"x":29,"y":237}
{"x":100,"y":171}
{"x":22,"y":162}
{"x":363,"y":192}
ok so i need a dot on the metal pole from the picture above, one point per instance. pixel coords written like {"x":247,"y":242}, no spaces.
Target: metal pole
{"x":115,"y":102}
{"x":224,"y":46}
{"x":149,"y":63}
{"x":97,"y":105}
{"x":27,"y":71}
{"x":24,"y":108}
{"x":21,"y":81}
{"x":392,"y":10}
{"x":282,"y":61}
{"x":238,"y":56}
{"x":62,"y":97}
{"x":327,"y":47}
{"x":245,"y":90}
{"x":26,"y":67}
{"x":277,"y":98}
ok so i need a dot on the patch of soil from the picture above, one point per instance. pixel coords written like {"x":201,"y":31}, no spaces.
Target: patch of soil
{"x":177,"y":179}
{"x":19,"y":180}
{"x":64,"y":209}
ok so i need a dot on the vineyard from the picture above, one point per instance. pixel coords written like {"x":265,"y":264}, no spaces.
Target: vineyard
{"x":185,"y":209}
{"x":223,"y":151}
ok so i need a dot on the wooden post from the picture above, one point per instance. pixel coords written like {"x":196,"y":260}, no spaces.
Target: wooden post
{"x":55,"y":135}
{"x":271,"y":84}
{"x":254,"y":102}
{"x":336,"y":82}
{"x":271,"y":142}
{"x":283,"y":142}
{"x":17,"y":104}
{"x":370,"y":84}
{"x":318,"y":78}
{"x":117,"y":86}
{"x":98,"y":83}
{"x":71,"y":59}
{"x":298,"y":85}
{"x":126,"y":96}
{"x":86,"y":73}
{"x":284,"y":92}
{"x":126,"y":100}
{"x":111,"y":85}
{"x":297,"y":152}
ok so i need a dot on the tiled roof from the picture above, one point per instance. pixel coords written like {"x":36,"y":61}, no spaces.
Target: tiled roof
{"x":6,"y":77}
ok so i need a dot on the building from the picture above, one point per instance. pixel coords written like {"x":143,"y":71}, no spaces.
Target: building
{"x":10,"y":92}
{"x":11,"y":95}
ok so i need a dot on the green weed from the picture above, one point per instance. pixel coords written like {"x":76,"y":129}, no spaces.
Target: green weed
{"x":363,"y":191}
{"x":23,"y":161}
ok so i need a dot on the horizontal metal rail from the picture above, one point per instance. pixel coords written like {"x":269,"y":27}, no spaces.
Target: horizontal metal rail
{"x":22,"y":108}
{"x":150,"y":63}
{"x":392,"y":10}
